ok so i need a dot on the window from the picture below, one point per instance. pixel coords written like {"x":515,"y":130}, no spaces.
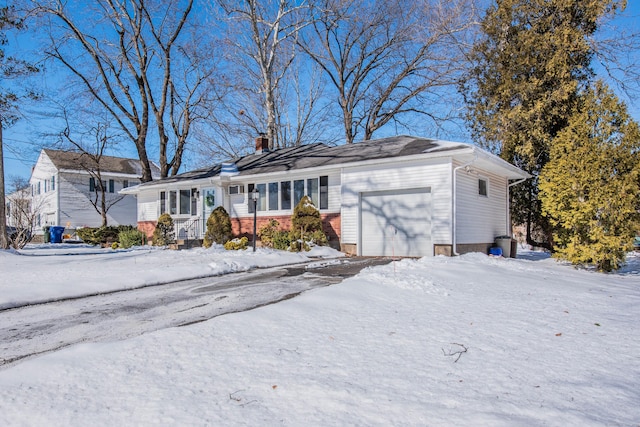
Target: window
{"x":53,"y":183}
{"x":298,"y":191}
{"x":236,"y":189}
{"x":194,"y":201}
{"x":173,"y":202}
{"x":125,"y":183}
{"x":482,"y":187}
{"x":185,"y":201}
{"x":285,"y":195}
{"x":112,"y":186}
{"x":312,"y":190}
{"x":273,"y":196}
{"x":324,"y":192}
{"x":262,"y":202}
{"x":163,"y":202}
{"x":39,"y":188}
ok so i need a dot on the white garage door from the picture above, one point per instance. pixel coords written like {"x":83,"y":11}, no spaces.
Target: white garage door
{"x":396,"y":223}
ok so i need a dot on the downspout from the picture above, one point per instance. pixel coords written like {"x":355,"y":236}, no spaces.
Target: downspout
{"x":508,"y":230}
{"x":453,"y":202}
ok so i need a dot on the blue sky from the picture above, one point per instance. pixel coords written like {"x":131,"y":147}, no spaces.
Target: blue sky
{"x":22,"y":142}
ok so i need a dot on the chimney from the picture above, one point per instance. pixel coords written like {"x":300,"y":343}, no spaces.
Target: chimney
{"x":262,"y":144}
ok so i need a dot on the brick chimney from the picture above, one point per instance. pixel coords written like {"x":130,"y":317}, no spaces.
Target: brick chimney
{"x":262,"y":144}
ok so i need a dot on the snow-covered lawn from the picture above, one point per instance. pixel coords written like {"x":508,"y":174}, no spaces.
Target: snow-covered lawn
{"x":470,"y":340}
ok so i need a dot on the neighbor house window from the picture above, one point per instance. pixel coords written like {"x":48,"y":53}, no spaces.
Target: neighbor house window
{"x":53,"y":183}
{"x":125,"y":183}
{"x":112,"y":186}
{"x":482,"y":187}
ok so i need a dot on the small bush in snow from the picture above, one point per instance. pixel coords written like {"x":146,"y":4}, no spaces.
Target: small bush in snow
{"x":164,"y":234}
{"x":104,"y":236}
{"x":272,"y":237}
{"x":237,"y":244}
{"x":129,"y":238}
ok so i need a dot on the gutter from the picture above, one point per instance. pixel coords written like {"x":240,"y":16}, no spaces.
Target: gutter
{"x":453,"y":202}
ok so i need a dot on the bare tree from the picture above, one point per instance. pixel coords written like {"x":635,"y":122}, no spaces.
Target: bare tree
{"x":23,"y":212}
{"x":90,"y":159}
{"x":263,"y":46}
{"x":386,"y":59}
{"x":130,"y":57}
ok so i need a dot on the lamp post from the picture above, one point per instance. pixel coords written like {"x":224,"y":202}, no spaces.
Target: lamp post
{"x":255,"y":195}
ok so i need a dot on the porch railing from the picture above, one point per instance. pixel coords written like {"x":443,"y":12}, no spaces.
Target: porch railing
{"x":188,"y":229}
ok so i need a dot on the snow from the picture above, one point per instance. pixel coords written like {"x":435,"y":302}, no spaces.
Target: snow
{"x":470,"y":340}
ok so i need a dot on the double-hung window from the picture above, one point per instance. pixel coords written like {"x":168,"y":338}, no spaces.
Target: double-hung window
{"x":285,"y":195}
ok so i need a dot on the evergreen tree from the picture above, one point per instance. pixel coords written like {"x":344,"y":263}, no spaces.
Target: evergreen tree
{"x":306,"y":225}
{"x":164,"y":234}
{"x":590,"y":188}
{"x":218,"y":228}
{"x":529,"y":66}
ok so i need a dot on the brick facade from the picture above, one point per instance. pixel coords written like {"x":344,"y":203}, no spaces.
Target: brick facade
{"x":244,"y":226}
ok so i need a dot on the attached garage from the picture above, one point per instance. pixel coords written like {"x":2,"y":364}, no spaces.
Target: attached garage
{"x":396,"y":223}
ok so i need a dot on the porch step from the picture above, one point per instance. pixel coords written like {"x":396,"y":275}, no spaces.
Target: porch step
{"x":188,"y":244}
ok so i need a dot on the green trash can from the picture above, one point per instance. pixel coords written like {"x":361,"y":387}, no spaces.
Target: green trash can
{"x":46,"y":236}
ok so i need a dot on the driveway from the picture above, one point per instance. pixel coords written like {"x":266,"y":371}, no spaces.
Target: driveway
{"x":41,"y":328}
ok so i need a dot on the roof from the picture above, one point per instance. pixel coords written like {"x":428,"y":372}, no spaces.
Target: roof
{"x":320,"y":155}
{"x":72,"y":160}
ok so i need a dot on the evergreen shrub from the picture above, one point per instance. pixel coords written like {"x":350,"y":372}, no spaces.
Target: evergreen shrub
{"x":129,"y":238}
{"x":237,"y":244}
{"x":272,"y":237}
{"x":306,"y":226}
{"x":218,"y":227}
{"x":164,"y":233}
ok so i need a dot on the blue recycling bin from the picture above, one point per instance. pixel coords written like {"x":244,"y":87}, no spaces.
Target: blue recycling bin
{"x":56,"y":234}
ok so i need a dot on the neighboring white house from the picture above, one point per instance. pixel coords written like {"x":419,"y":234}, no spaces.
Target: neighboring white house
{"x":62,"y":189}
{"x":403,"y":195}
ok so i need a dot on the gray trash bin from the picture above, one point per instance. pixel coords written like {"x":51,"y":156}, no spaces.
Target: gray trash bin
{"x":504,"y":243}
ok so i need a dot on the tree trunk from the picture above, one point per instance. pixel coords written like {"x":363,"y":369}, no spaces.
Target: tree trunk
{"x":4,"y":239}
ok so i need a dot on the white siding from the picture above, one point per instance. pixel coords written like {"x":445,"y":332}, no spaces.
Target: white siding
{"x":148,"y":202}
{"x":76,"y":209}
{"x":435,"y":174}
{"x":480,"y":218}
{"x":45,"y":202}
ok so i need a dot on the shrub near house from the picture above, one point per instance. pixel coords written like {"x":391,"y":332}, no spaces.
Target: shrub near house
{"x":306,"y":226}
